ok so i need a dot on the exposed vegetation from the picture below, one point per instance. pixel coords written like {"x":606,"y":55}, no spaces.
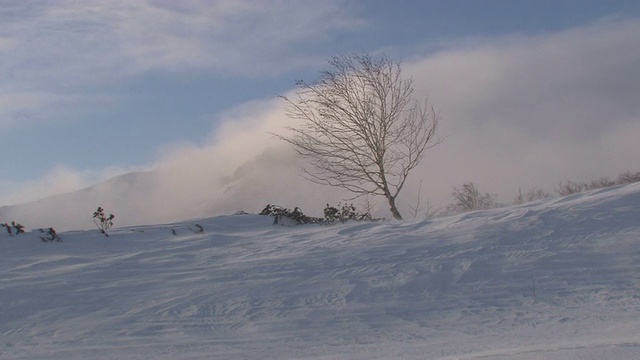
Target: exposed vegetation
{"x":13,"y":228}
{"x":50,"y":235}
{"x":332,"y":215}
{"x":102,"y":221}
{"x":469,"y":198}
{"x":531,"y":195}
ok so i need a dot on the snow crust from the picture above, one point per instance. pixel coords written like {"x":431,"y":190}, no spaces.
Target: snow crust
{"x":554,"y":279}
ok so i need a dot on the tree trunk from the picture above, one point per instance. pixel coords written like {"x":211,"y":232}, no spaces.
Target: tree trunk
{"x":393,"y":208}
{"x":387,"y":193}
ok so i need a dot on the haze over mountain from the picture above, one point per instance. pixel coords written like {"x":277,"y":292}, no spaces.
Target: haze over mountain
{"x":180,"y":193}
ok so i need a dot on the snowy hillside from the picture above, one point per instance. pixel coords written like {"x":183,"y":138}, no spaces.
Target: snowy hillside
{"x":557,"y":279}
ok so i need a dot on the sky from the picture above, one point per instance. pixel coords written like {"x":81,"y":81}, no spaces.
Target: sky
{"x":530,"y":92}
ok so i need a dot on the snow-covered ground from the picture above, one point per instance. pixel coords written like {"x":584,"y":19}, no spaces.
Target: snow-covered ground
{"x":556,"y":279}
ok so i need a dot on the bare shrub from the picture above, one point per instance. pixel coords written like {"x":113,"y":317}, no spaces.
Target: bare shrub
{"x":469,"y":198}
{"x":429,"y":210}
{"x":532,"y":194}
{"x":344,"y":213}
{"x":603,"y":182}
{"x":279,"y":212}
{"x":628,"y":177}
{"x":50,"y":235}
{"x":570,"y":187}
{"x":102,"y":221}
{"x":367,"y":204}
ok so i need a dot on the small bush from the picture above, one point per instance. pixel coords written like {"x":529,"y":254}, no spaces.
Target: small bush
{"x":8,"y":227}
{"x":332,"y":215}
{"x":50,"y":235}
{"x":279,"y":212}
{"x":531,"y":195}
{"x":17,"y":228}
{"x":571,"y":187}
{"x":344,"y":213}
{"x":102,"y":221}
{"x":603,"y":182}
{"x":469,"y":198}
{"x":197,"y":228}
{"x":628,"y":177}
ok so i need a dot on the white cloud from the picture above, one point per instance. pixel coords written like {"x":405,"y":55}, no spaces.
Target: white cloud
{"x":533,"y":111}
{"x":81,"y":42}
{"x":68,"y":48}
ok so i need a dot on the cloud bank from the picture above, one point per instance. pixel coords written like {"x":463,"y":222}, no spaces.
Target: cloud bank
{"x":518,"y":112}
{"x":55,"y":54}
{"x":533,"y":111}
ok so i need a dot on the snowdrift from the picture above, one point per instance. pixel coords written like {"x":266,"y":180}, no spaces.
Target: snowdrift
{"x":555,"y":279}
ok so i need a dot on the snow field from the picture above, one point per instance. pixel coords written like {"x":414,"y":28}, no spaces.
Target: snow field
{"x":554,"y":279}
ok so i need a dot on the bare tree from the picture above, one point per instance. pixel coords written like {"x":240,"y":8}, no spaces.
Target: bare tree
{"x":361,"y":129}
{"x":368,"y":204}
{"x":468,"y":198}
{"x":430,"y":211}
{"x":417,"y":209}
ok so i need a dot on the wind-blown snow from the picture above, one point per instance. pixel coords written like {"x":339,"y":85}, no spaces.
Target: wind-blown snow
{"x":556,"y":279}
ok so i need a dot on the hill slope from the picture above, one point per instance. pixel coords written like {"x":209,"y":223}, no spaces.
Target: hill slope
{"x":554,"y":279}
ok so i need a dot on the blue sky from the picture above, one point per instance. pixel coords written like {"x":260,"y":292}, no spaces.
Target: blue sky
{"x":93,"y":89}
